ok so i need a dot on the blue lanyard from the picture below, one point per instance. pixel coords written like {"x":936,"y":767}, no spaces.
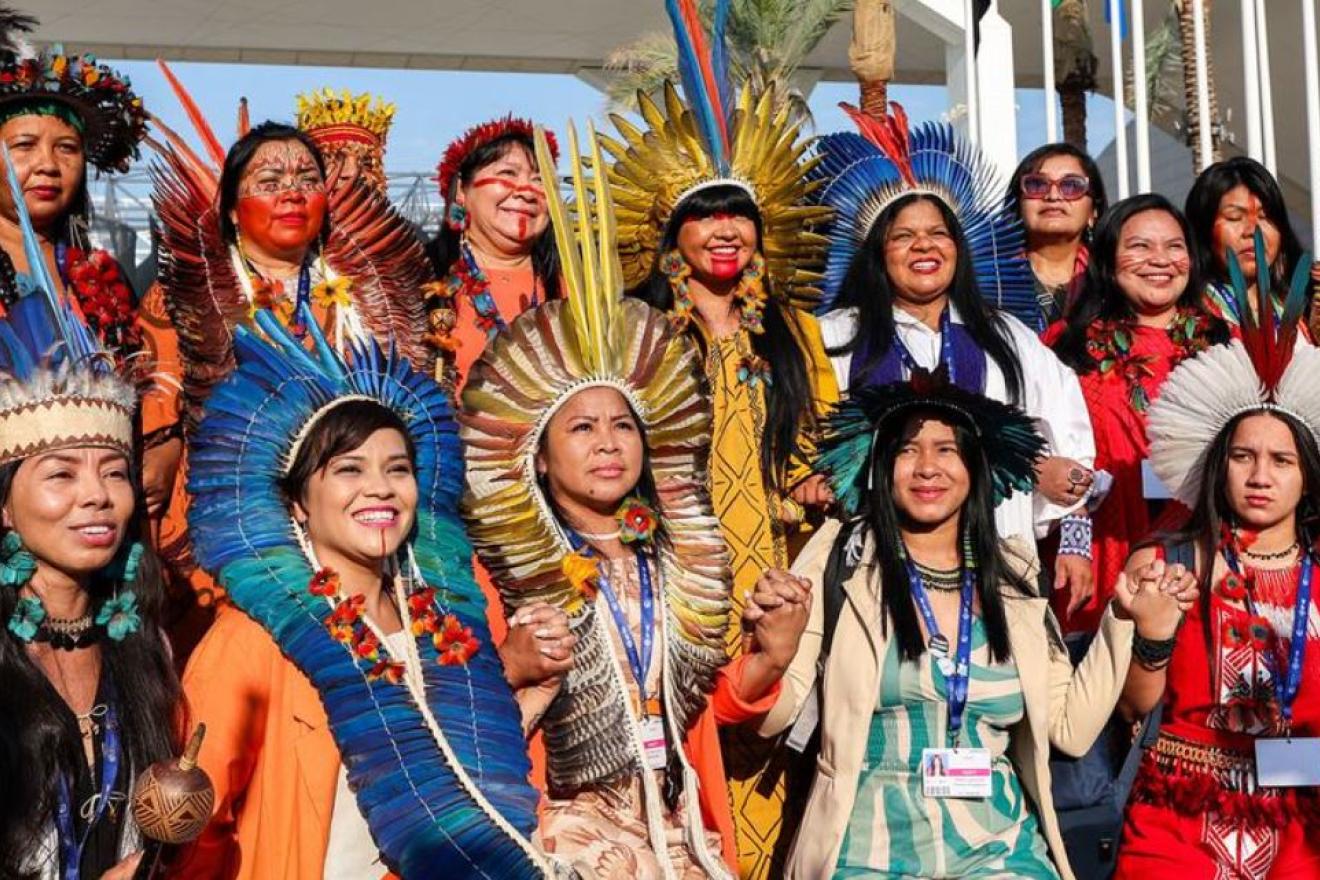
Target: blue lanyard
{"x":71,"y":849}
{"x":957,"y":673}
{"x":304,"y":289}
{"x":946,"y":350}
{"x":1286,"y":686}
{"x":639,"y":662}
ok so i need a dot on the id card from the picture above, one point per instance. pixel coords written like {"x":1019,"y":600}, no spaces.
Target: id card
{"x":1152,"y":487}
{"x":955,"y":773}
{"x":653,"y":742}
{"x":1288,"y":763}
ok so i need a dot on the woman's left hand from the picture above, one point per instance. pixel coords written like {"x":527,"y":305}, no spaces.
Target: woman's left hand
{"x":814,"y":491}
{"x":1155,"y":597}
{"x":1062,"y":480}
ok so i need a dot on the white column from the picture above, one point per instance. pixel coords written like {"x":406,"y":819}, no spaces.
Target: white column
{"x":1120,"y":113}
{"x":1251,"y":79}
{"x":1141,"y":102}
{"x":972,"y":87}
{"x":1312,"y":111}
{"x":1047,"y":69}
{"x":1202,"y":84}
{"x":996,"y":87}
{"x":1266,"y":91}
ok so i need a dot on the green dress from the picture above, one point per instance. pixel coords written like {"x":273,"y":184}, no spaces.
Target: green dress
{"x":895,"y":830}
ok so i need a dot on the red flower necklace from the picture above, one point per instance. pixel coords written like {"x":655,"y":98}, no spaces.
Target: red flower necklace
{"x":1238,"y":589}
{"x":453,"y":642}
{"x":1109,"y":343}
{"x":98,"y":287}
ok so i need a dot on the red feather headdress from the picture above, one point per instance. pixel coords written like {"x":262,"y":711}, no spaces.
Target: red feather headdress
{"x":478,"y":136}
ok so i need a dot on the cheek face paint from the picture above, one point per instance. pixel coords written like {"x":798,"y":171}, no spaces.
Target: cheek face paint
{"x":279,"y":224}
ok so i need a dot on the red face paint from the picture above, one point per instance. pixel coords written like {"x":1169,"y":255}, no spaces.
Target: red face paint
{"x":282,"y":224}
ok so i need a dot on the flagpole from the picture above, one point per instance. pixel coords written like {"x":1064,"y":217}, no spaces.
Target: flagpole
{"x":1205,"y":152}
{"x":1047,"y":68}
{"x":1120,"y":111}
{"x":969,"y":52}
{"x":1140,"y":106}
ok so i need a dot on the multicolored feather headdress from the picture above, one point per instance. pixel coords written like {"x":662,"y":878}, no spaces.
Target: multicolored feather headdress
{"x":476,"y":137}
{"x":100,"y":102}
{"x":714,"y":139}
{"x":1269,"y":368}
{"x":443,"y":785}
{"x":345,"y":125}
{"x":1009,"y":437}
{"x":859,"y":175}
{"x":58,"y":387}
{"x":594,"y":338}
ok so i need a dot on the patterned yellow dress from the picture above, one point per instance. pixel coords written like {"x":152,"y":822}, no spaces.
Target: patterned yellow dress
{"x":751,"y":520}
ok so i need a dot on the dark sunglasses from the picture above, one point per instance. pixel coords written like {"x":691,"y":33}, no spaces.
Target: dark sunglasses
{"x":1071,"y":186}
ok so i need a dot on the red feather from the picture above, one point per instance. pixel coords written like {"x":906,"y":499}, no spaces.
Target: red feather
{"x":477,"y":136}
{"x":890,"y":135}
{"x":199,"y":123}
{"x":697,"y":34}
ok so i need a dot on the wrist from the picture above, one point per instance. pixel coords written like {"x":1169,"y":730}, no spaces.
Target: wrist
{"x":1075,"y":536}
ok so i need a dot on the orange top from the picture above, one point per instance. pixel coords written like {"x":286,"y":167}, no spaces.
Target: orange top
{"x":513,"y":291}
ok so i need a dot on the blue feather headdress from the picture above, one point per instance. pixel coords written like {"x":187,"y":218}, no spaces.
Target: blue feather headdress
{"x":59,"y":388}
{"x":443,"y":786}
{"x":1009,"y":437}
{"x":861,"y":174}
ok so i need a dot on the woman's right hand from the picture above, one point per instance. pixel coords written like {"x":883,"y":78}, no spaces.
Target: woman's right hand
{"x":125,"y":869}
{"x":539,"y":647}
{"x":777,"y":613}
{"x":1155,"y":597}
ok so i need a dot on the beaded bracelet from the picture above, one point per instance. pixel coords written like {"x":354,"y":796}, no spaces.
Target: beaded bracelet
{"x":1075,"y":535}
{"x":1153,"y":654}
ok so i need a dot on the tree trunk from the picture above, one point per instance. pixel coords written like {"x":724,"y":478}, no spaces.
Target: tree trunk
{"x":875,"y":98}
{"x":1074,"y":116}
{"x":1075,"y":67}
{"x":1196,"y":127}
{"x":871,"y":53}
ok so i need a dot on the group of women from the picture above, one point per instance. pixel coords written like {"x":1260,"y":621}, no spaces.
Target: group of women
{"x":730,"y":518}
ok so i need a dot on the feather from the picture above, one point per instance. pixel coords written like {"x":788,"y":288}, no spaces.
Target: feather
{"x":199,"y":123}
{"x":244,"y":119}
{"x":697,"y":77}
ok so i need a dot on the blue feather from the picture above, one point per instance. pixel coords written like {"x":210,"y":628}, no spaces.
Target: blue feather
{"x":719,"y":57}
{"x":694,"y":87}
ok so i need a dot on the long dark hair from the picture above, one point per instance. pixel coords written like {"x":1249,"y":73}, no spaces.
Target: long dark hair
{"x":1035,"y":160}
{"x":978,"y":529}
{"x":39,"y":739}
{"x":866,"y":288}
{"x":444,"y":249}
{"x":1212,"y":510}
{"x":1203,"y":207}
{"x":788,"y":394}
{"x":236,"y":162}
{"x":1103,"y":299}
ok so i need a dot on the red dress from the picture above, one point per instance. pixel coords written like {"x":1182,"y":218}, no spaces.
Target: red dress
{"x":1195,"y":807}
{"x":1125,"y":516}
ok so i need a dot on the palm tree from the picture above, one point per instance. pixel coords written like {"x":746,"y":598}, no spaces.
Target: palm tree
{"x":768,"y":41}
{"x":1075,"y":66}
{"x":1198,"y":128}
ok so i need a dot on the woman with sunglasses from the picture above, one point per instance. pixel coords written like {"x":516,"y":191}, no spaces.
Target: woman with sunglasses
{"x":1058,"y":193}
{"x":1142,"y":316}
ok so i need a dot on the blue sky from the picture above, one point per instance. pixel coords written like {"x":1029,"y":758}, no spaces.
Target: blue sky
{"x":436,"y":106}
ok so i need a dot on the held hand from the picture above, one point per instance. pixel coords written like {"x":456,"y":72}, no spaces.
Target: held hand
{"x":125,"y":869}
{"x":779,"y":608}
{"x":1152,"y":598}
{"x":814,"y":491}
{"x":1062,"y":480}
{"x":539,"y":646}
{"x":1074,"y":574}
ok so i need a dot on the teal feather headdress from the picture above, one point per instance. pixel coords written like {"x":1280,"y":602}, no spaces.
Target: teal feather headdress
{"x":1009,"y":437}
{"x":443,"y":786}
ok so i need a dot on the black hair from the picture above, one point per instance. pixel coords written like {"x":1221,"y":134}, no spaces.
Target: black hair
{"x":1104,"y":299}
{"x":1202,"y":209}
{"x":39,"y":739}
{"x":236,"y":162}
{"x":977,"y":530}
{"x":1212,"y":510}
{"x":788,"y":394}
{"x":341,"y":429}
{"x":444,"y":249}
{"x":1035,"y":160}
{"x":866,"y":288}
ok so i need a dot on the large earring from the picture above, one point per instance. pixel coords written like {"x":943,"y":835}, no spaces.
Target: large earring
{"x":677,"y":271}
{"x":17,"y":564}
{"x":637,"y":520}
{"x":751,"y":295}
{"x":456,"y":217}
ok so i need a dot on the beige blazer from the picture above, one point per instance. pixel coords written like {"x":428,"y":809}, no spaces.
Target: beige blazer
{"x":1064,"y":708}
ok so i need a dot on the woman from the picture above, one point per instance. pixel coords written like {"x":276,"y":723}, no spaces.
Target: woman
{"x":494,"y":254}
{"x":88,"y":697}
{"x":255,"y":235}
{"x":1233,"y":435}
{"x":907,"y":283}
{"x":1143,"y":315}
{"x":584,"y":429}
{"x":358,"y":720}
{"x":1058,"y":193}
{"x":1229,"y":201}
{"x":714,"y":231}
{"x":940,"y":643}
